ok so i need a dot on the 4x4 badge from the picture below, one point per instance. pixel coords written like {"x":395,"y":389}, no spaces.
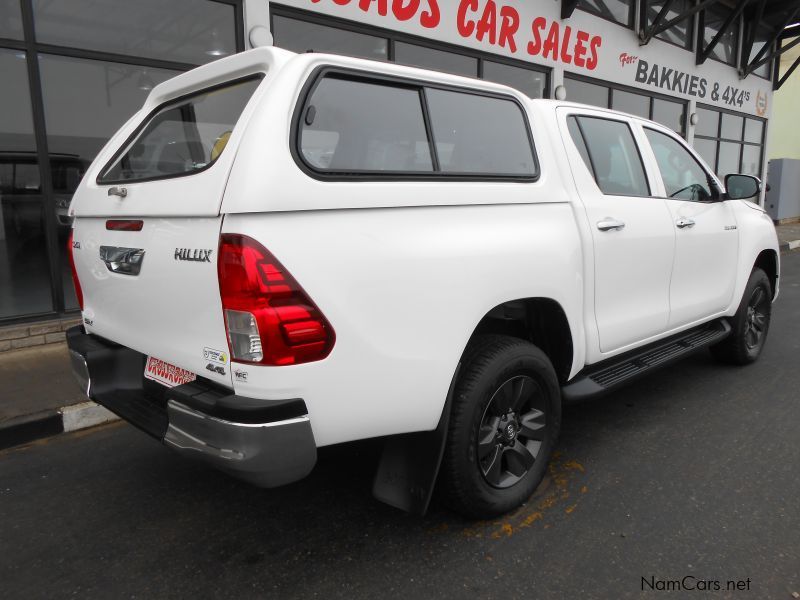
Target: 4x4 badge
{"x":196,"y":255}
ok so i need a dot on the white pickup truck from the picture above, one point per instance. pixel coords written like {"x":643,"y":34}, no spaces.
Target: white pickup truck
{"x":281,"y":252}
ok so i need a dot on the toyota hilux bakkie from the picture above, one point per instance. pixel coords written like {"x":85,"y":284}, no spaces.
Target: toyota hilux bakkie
{"x":282,"y":252}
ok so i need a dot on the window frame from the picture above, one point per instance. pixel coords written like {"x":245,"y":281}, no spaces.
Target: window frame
{"x":713,"y":183}
{"x":126,"y":145}
{"x":631,"y":15}
{"x":323,"y":71}
{"x":616,"y":119}
{"x":717,"y":139}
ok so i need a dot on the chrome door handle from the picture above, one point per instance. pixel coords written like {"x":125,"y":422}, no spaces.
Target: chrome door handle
{"x":609,"y":224}
{"x":683,"y":223}
{"x":118,"y":191}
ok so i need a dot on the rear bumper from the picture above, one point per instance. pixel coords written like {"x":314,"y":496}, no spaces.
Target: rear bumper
{"x":265,"y":442}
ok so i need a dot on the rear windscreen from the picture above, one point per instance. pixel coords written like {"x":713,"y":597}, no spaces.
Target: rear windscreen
{"x":181,"y":137}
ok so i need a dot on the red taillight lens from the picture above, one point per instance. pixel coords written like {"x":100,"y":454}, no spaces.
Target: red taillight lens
{"x":75,"y":281}
{"x":269,"y":318}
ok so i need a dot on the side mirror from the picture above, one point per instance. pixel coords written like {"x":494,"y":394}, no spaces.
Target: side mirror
{"x":741,"y":187}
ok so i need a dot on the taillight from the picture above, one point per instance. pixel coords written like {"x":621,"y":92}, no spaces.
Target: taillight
{"x":75,"y":281}
{"x":269,"y":318}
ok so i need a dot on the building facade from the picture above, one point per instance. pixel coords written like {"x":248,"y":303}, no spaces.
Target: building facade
{"x":74,"y":71}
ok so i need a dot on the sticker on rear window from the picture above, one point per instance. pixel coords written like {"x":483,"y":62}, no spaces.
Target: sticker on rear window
{"x":166,"y":374}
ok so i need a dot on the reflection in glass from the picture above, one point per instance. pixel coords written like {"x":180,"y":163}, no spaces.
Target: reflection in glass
{"x":586,"y":93}
{"x":438,"y":60}
{"x":302,"y":36}
{"x":728,"y":159}
{"x":631,"y":103}
{"x":188,"y":31}
{"x":751,"y":160}
{"x":527,"y":81}
{"x":10,"y":20}
{"x":731,"y":127}
{"x":753,"y":131}
{"x":707,"y":149}
{"x":680,"y":33}
{"x":24,"y":268}
{"x":707,"y":122}
{"x":713,"y":19}
{"x":763,"y":35}
{"x":670,"y":114}
{"x":615,"y":10}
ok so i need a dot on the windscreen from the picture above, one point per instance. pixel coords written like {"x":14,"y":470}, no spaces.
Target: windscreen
{"x":183,"y":136}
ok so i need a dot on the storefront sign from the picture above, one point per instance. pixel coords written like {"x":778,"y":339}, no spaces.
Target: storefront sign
{"x":583,"y":44}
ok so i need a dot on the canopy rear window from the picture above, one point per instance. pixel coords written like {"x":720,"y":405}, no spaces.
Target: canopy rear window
{"x":181,"y":137}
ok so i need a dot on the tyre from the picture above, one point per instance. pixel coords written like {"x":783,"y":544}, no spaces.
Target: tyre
{"x":505,"y":418}
{"x":749,"y":325}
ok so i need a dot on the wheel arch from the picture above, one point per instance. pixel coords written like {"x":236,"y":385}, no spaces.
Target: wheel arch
{"x":541,"y":321}
{"x":767,"y":261}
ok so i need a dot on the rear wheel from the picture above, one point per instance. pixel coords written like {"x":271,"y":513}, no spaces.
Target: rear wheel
{"x":505,"y":419}
{"x":749,"y":325}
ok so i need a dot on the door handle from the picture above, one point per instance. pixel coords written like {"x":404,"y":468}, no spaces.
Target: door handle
{"x":683,"y":223}
{"x":609,"y":224}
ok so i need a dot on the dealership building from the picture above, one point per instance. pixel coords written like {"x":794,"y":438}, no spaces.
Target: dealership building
{"x":73,"y":71}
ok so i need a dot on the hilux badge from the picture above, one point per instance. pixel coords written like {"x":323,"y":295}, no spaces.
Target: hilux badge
{"x":196,"y":254}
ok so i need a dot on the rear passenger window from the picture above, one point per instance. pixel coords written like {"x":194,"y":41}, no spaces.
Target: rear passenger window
{"x":479,"y":134}
{"x":612,"y":156}
{"x":357,"y":126}
{"x":354,"y":126}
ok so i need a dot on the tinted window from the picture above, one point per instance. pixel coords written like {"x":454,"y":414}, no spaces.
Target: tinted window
{"x":631,"y":103}
{"x":351,"y":125}
{"x":302,"y":36}
{"x":680,"y":33}
{"x":182,"y":137}
{"x":585,"y":92}
{"x":682,"y":175}
{"x":614,"y":157}
{"x":713,"y":20}
{"x":11,"y":21}
{"x":528,"y":81}
{"x":614,"y":10}
{"x":669,"y":114}
{"x":479,"y":134}
{"x":577,"y":137}
{"x":437,"y":60}
{"x":180,"y":30}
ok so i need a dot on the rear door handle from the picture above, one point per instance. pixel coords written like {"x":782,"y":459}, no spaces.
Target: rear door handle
{"x":610,"y":224}
{"x":683,"y":223}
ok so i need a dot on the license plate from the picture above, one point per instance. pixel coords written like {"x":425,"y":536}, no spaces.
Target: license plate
{"x":165,"y":373}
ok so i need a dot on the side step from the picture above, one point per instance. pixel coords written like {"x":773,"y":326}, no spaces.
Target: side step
{"x":608,"y":375}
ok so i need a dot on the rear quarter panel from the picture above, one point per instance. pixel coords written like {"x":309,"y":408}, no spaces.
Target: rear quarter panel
{"x":404,"y":289}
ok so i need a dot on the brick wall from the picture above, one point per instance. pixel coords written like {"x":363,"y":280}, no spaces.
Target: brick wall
{"x":14,"y":337}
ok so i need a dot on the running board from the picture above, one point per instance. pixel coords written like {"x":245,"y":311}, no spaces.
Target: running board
{"x":608,"y":375}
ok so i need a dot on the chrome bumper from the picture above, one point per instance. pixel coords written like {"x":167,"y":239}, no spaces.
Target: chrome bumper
{"x":265,"y":442}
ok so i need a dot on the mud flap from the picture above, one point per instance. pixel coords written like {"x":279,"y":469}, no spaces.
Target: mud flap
{"x":410,"y":463}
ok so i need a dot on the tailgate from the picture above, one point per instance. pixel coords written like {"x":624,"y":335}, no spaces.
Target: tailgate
{"x":170,"y":307}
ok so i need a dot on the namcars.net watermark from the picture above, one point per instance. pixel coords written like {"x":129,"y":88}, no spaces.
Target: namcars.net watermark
{"x":690,"y":583}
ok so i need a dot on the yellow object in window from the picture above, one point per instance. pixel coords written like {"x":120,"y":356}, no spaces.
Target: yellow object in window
{"x":219,"y":145}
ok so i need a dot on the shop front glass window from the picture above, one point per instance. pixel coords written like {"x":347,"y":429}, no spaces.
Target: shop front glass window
{"x":303,"y":36}
{"x":586,"y":93}
{"x":620,"y":11}
{"x":188,"y":31}
{"x":529,"y":82}
{"x":438,"y":60}
{"x":10,"y":20}
{"x":670,"y":114}
{"x":680,"y":33}
{"x":628,"y":102}
{"x":24,"y":267}
{"x":713,"y":20}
